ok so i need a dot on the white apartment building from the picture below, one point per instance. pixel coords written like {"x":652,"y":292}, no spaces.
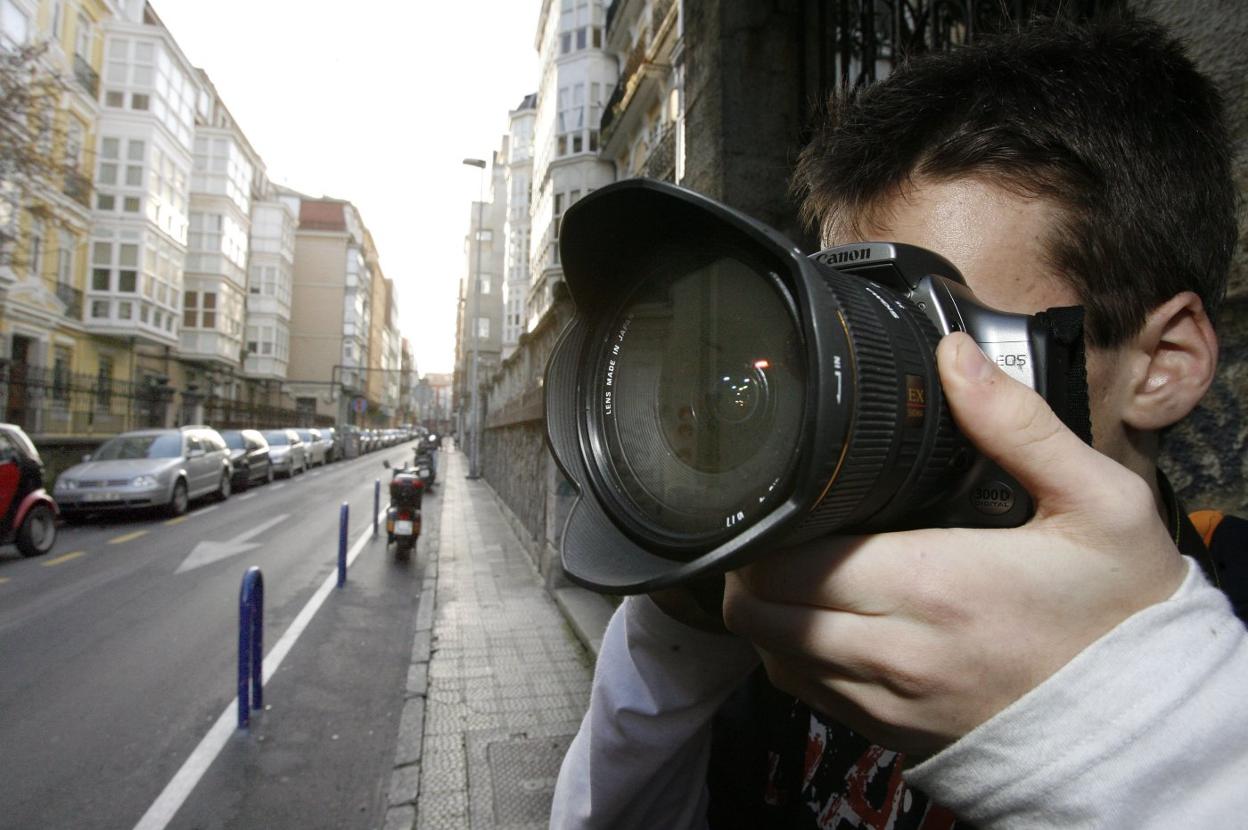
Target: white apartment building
{"x":517,"y":160}
{"x":274,"y":219}
{"x":144,"y":153}
{"x":214,"y":290}
{"x":577,"y":78}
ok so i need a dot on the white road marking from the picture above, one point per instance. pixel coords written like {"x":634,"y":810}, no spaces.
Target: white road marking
{"x":207,"y":552}
{"x":248,"y":496}
{"x":179,"y":788}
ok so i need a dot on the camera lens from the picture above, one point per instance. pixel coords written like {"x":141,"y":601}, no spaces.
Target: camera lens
{"x":703,"y":378}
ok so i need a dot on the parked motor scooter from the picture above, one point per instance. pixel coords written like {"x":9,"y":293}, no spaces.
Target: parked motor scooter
{"x":426,"y":464}
{"x":403,"y":514}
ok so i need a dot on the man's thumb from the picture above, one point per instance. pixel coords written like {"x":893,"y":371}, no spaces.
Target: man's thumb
{"x":1015,"y":427}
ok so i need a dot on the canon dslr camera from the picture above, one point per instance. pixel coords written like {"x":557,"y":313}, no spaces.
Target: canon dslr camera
{"x":719,"y":394}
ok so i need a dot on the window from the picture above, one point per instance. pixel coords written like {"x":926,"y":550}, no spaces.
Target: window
{"x":64,"y":258}
{"x":483,"y":327}
{"x":209,"y":320}
{"x":140,"y":102}
{"x":190,"y":312}
{"x":82,"y":38}
{"x":14,"y":24}
{"x":36,"y":247}
{"x":483,"y":285}
{"x":62,"y":360}
{"x":74,"y":137}
{"x":113,"y":98}
{"x":56,"y":18}
{"x":104,"y":383}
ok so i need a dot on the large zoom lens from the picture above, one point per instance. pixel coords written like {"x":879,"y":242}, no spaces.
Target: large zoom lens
{"x":719,"y":394}
{"x":703,"y":390}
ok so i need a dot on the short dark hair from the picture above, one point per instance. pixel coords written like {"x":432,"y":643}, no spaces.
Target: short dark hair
{"x":1109,"y":119}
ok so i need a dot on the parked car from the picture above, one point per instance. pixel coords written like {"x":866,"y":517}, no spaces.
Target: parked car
{"x":314,"y":445}
{"x":249,"y":456}
{"x":163,"y":468}
{"x":333,"y":449}
{"x":27,"y":512}
{"x":287,"y":451}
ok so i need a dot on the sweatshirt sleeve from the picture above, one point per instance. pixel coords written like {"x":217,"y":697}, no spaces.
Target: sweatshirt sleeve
{"x":1146,"y":728}
{"x":640,"y":758}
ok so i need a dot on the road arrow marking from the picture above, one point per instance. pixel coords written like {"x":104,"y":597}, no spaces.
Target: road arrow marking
{"x":205,"y":553}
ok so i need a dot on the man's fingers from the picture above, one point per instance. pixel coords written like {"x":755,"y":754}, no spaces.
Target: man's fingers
{"x":1016,"y":428}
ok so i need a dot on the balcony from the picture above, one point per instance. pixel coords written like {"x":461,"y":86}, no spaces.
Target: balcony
{"x":72,"y":298}
{"x":78,"y":188}
{"x":88,"y":77}
{"x":661,"y":162}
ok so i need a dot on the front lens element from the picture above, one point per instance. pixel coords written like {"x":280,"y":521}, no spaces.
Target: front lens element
{"x":701,"y":393}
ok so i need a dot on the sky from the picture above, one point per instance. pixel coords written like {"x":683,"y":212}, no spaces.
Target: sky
{"x":377,"y":102}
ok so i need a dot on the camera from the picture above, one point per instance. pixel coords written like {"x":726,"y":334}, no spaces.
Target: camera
{"x":719,"y":395}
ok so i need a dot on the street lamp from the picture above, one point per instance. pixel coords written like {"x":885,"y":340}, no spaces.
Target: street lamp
{"x":474,"y":441}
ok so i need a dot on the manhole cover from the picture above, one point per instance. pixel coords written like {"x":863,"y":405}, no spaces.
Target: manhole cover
{"x":523,"y":773}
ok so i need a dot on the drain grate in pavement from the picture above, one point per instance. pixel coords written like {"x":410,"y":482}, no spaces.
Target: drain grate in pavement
{"x":519,"y":781}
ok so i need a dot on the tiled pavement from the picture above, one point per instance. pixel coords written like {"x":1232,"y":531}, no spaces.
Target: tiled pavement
{"x":498,"y":681}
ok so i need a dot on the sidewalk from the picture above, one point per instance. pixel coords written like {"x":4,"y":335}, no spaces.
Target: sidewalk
{"x":498,"y":681}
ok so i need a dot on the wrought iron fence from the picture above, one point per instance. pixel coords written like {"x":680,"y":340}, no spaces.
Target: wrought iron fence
{"x":45,"y":401}
{"x":862,"y":40}
{"x":50,"y":402}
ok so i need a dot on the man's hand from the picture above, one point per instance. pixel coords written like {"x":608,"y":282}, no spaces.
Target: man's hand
{"x":915,"y":638}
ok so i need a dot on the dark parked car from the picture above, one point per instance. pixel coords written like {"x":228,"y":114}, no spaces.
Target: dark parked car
{"x":249,"y":453}
{"x":27,"y":512}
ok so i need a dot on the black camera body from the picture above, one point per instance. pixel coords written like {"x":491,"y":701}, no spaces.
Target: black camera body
{"x":719,"y":395}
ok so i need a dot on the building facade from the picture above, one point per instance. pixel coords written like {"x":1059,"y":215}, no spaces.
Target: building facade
{"x":577,"y":76}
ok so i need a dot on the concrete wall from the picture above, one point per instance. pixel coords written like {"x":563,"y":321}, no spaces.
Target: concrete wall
{"x":316,"y":305}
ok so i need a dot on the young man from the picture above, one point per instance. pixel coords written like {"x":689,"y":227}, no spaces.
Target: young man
{"x":1077,"y":671}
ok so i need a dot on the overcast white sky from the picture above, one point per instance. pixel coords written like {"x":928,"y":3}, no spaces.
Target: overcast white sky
{"x":378,"y":102}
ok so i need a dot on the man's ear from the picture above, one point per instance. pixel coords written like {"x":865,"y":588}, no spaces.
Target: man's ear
{"x":1175,"y":355}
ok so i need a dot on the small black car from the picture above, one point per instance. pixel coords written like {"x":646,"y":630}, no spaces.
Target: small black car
{"x":249,"y":453}
{"x":27,"y":513}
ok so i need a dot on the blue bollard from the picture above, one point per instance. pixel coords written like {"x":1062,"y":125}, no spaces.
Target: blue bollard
{"x":376,"y":502}
{"x":250,"y":645}
{"x":344,"y":516}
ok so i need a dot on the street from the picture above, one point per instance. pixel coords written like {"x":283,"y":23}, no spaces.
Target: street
{"x":119,"y":652}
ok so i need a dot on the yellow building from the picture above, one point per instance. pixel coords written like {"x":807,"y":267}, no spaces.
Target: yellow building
{"x":59,"y":379}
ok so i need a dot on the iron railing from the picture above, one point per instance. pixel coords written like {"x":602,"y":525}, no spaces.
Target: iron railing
{"x":78,"y":188}
{"x":88,"y":77}
{"x":44,"y":401}
{"x":862,"y":40}
{"x":72,"y":298}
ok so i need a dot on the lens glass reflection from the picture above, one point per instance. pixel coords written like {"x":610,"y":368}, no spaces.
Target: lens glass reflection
{"x":701,"y":397}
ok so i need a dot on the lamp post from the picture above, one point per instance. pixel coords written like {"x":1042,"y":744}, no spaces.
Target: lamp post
{"x":474,"y":440}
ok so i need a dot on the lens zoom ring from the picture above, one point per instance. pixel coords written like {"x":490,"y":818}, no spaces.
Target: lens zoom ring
{"x":874,"y":401}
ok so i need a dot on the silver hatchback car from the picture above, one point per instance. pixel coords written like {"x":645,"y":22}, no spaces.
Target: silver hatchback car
{"x":147,"y":468}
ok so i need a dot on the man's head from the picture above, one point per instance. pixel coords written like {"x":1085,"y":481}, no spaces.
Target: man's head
{"x":1110,"y":123}
{"x":1058,"y":165}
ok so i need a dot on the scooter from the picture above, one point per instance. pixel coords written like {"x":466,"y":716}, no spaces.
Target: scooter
{"x":426,"y":465}
{"x":403,"y":513}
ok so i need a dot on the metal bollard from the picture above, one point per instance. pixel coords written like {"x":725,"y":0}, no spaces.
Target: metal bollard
{"x":250,"y":645}
{"x":344,"y":516}
{"x":376,"y":502}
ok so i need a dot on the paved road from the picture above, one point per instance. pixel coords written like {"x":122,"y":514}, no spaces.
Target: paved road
{"x":118,"y":651}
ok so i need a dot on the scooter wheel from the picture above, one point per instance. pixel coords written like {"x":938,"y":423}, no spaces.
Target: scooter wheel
{"x":403,"y":549}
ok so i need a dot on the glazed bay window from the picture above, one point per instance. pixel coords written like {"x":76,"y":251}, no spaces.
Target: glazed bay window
{"x":114,"y":266}
{"x":115,"y":174}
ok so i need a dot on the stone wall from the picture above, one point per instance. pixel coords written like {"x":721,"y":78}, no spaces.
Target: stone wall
{"x":1206,"y":455}
{"x":514,"y":458}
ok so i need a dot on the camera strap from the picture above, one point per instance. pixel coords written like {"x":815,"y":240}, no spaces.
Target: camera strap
{"x":1068,"y":376}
